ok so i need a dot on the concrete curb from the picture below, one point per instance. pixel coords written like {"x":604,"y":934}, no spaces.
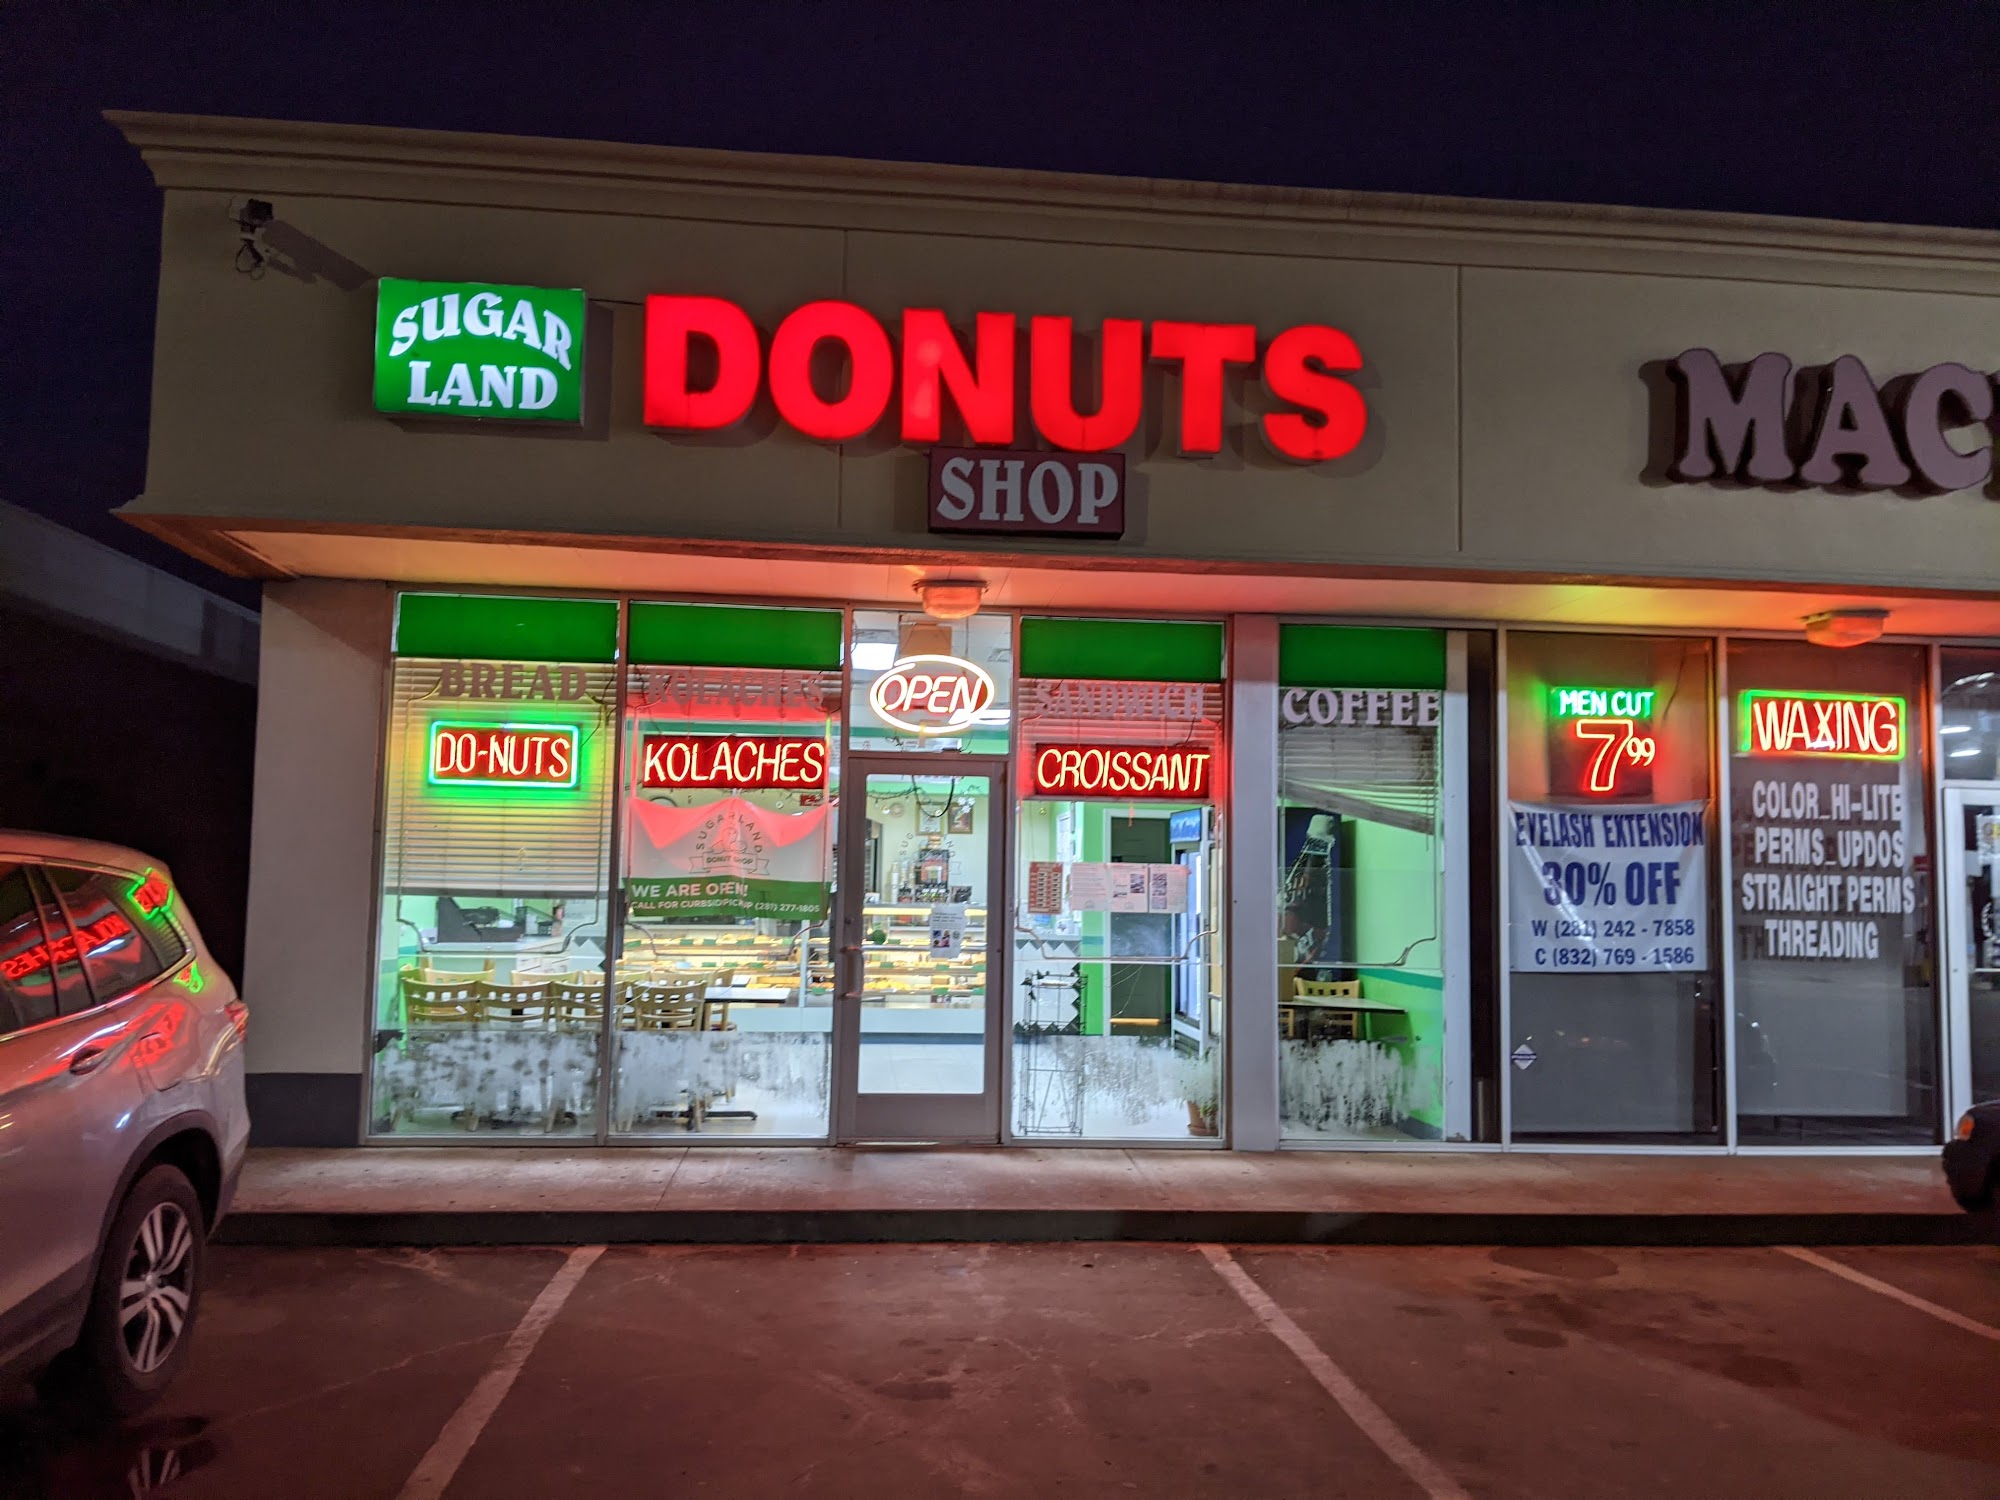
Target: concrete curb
{"x":850,"y":1226}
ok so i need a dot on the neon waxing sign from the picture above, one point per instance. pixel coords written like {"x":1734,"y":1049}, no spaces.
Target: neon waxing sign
{"x":465,"y":349}
{"x":1321,"y":416}
{"x":739,"y":762}
{"x":931,"y":695}
{"x":1832,"y":726}
{"x":1609,"y":727}
{"x":515,"y":755}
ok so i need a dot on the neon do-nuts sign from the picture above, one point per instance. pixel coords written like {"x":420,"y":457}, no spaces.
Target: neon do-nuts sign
{"x":1836,"y":726}
{"x":740,"y":762}
{"x":926,"y":695}
{"x":1122,"y":771}
{"x":503,"y":755}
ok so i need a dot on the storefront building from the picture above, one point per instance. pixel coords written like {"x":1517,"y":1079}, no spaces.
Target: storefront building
{"x":781,"y":651}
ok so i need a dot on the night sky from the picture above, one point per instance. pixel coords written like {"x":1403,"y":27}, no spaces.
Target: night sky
{"x":1886,"y":110}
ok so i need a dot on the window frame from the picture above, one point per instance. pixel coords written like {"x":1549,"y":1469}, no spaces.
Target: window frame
{"x":44,"y":867}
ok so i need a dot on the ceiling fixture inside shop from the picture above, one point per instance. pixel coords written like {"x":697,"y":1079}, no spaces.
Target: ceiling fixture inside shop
{"x":951,"y":598}
{"x":1846,"y":627}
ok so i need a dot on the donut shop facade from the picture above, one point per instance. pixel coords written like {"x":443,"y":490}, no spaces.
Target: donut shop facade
{"x":799,"y":651}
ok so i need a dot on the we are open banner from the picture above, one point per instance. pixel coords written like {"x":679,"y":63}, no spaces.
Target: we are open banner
{"x":728,"y":859}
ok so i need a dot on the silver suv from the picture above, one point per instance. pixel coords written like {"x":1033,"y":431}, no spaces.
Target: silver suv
{"x":122,"y":1123}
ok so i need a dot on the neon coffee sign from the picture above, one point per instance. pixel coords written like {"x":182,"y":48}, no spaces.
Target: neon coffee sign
{"x":1323,"y":416}
{"x":741,"y":762}
{"x":503,"y":755}
{"x":1122,"y":771}
{"x":1833,"y":726}
{"x":931,"y":695}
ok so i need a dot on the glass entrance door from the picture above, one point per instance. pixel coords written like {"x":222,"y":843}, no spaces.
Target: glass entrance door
{"x":922,"y":907}
{"x":1972,"y":897}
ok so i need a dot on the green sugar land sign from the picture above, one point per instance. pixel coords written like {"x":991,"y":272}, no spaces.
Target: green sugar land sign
{"x":465,"y":349}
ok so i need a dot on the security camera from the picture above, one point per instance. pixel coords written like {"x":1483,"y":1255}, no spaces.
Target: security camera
{"x":253,"y":216}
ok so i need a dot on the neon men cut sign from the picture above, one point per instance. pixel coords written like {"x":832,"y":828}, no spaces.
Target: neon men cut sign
{"x":1324,"y":416}
{"x":1610,"y":748}
{"x":1833,"y":726}
{"x":931,"y":695}
{"x":740,"y":762}
{"x":1122,"y":771}
{"x":503,"y":755}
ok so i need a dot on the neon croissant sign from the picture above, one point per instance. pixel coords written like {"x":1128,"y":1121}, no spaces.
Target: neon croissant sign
{"x":705,"y":362}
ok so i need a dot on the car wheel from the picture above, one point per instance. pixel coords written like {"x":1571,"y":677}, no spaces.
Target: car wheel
{"x":1977,"y":1201}
{"x":143,"y":1304}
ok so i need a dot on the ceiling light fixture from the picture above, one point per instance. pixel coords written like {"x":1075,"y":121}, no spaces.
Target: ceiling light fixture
{"x":951,"y":598}
{"x":1846,"y":627}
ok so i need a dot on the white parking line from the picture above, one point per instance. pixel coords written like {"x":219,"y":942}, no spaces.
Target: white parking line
{"x":1377,"y":1424}
{"x":1895,"y":1293}
{"x":437,"y":1467}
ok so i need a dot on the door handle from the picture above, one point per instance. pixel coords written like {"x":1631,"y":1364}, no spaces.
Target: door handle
{"x":88,"y":1058}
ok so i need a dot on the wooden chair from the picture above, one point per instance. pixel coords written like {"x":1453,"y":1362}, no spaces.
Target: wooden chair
{"x":662,"y":1006}
{"x":446,"y":1001}
{"x":1326,"y":989}
{"x":715,"y":1013}
{"x":1297,"y":1023}
{"x":577,"y":1000}
{"x":517,"y":1002}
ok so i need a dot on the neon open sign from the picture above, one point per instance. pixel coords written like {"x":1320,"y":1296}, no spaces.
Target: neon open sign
{"x":1835,"y":726}
{"x":1122,"y":771}
{"x":741,"y":762}
{"x":503,"y":755}
{"x":927,"y":695}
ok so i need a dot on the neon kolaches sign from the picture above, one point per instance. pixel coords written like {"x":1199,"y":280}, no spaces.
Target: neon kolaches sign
{"x":741,"y":762}
{"x":705,"y":363}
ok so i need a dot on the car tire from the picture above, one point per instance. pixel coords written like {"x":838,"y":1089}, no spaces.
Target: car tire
{"x":143,"y":1304}
{"x":1976,"y":1202}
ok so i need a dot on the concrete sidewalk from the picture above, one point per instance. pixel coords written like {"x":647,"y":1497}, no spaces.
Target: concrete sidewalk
{"x":720,"y":1195}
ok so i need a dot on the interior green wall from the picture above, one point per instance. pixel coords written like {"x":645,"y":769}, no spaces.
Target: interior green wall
{"x":1095,"y":1006}
{"x":1386,"y":921}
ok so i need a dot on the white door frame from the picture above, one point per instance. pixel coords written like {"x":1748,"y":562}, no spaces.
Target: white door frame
{"x":1956,"y":939}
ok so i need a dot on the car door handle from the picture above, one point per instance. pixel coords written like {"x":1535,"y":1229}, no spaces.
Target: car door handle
{"x":87,"y":1058}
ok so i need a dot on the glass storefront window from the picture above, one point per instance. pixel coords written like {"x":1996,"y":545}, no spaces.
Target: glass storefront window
{"x":1836,"y":1001}
{"x":1361,"y":942}
{"x":1970,"y":727}
{"x":496,"y":831}
{"x":723,"y":985}
{"x":1119,"y":999}
{"x":1609,"y":834}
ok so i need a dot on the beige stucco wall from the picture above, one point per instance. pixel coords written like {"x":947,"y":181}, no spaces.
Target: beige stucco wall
{"x":1509,"y":420}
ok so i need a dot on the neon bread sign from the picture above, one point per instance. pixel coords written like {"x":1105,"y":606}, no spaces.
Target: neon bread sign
{"x":1323,"y":416}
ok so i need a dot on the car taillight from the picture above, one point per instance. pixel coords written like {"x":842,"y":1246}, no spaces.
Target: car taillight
{"x":239,"y":1017}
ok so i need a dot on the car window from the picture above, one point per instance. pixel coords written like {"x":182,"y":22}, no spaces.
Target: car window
{"x":126,"y":924}
{"x":40,"y":976}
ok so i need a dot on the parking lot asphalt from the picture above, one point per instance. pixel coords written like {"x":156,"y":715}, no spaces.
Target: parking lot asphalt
{"x":1001,"y":1370}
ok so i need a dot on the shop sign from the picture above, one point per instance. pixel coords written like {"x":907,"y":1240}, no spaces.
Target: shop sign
{"x":738,"y":762}
{"x":1603,"y":890}
{"x":931,"y":695}
{"x":518,"y":755}
{"x":466,"y":349}
{"x":1143,"y":702}
{"x":1414,"y":707}
{"x":1121,"y":771}
{"x":1837,"y":726}
{"x":690,"y":388}
{"x":729,"y":858}
{"x":1000,"y":494}
{"x":1745,"y":429}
